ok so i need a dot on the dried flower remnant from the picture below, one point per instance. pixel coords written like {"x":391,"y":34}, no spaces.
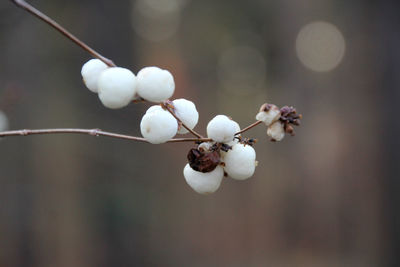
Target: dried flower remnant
{"x":269,"y":113}
{"x":290,"y":117}
{"x":203,"y":161}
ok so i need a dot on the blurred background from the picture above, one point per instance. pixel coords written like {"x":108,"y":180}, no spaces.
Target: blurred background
{"x":327,"y":197}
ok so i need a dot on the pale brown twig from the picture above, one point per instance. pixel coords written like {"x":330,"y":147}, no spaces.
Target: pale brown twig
{"x":97,"y":132}
{"x":249,"y":127}
{"x":165,"y":105}
{"x":92,"y":132}
{"x":24,"y":5}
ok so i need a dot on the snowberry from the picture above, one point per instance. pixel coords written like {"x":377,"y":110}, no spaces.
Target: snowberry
{"x":158,"y":126}
{"x":205,"y":146}
{"x":91,"y":71}
{"x":268,"y":114}
{"x":186,"y":111}
{"x":116,"y":87}
{"x":203,"y":183}
{"x":155,"y":84}
{"x":222,"y":129}
{"x":276,"y":131}
{"x":235,"y":140}
{"x":240,"y":161}
{"x":154,"y":108}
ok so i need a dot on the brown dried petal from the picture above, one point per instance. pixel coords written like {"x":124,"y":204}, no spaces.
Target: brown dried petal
{"x":203,"y":162}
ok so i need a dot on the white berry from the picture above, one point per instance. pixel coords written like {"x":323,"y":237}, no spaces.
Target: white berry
{"x":268,"y":115}
{"x":91,"y":71}
{"x":276,"y":131}
{"x":240,"y":161}
{"x":186,"y":111}
{"x":205,"y":146}
{"x":222,"y":129}
{"x":155,"y":84}
{"x":154,"y":108}
{"x":116,"y":87}
{"x":158,"y":126}
{"x":203,"y":183}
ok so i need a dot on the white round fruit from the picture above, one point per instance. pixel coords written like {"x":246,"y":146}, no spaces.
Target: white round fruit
{"x":222,"y":129}
{"x":205,"y":146}
{"x":91,"y":71}
{"x":116,"y":87}
{"x":154,"y":108}
{"x":240,"y":161}
{"x":186,"y":111}
{"x":155,"y":84}
{"x":269,"y":114}
{"x":276,"y":131}
{"x":203,"y":183}
{"x":158,"y":126}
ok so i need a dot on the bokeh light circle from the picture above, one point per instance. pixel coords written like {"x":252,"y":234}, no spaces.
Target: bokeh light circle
{"x":320,"y":46}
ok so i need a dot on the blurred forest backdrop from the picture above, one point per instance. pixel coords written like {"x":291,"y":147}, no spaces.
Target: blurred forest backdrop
{"x":327,"y":197}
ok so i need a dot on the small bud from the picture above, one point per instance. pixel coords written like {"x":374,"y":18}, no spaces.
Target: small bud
{"x":269,"y":113}
{"x":276,"y":131}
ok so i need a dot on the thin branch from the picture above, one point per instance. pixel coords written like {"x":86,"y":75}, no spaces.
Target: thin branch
{"x":24,"y":5}
{"x":92,"y":132}
{"x":165,"y":105}
{"x":249,"y":127}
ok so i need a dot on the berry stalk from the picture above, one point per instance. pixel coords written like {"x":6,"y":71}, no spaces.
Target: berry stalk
{"x":93,"y":132}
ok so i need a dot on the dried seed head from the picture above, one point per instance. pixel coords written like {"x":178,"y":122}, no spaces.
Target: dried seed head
{"x":289,"y":117}
{"x":203,"y":161}
{"x":246,"y":141}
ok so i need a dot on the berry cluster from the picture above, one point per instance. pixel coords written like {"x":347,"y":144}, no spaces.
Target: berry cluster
{"x":224,"y":153}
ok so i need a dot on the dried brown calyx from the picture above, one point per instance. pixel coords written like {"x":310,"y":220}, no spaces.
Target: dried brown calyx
{"x":220,"y":146}
{"x":266,"y":107}
{"x":289,"y":117}
{"x":206,"y":161}
{"x":246,"y":141}
{"x":203,"y":161}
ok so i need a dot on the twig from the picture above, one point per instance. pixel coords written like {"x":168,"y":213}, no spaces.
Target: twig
{"x":24,"y":5}
{"x":166,"y":106}
{"x":92,"y":132}
{"x":249,"y":127}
